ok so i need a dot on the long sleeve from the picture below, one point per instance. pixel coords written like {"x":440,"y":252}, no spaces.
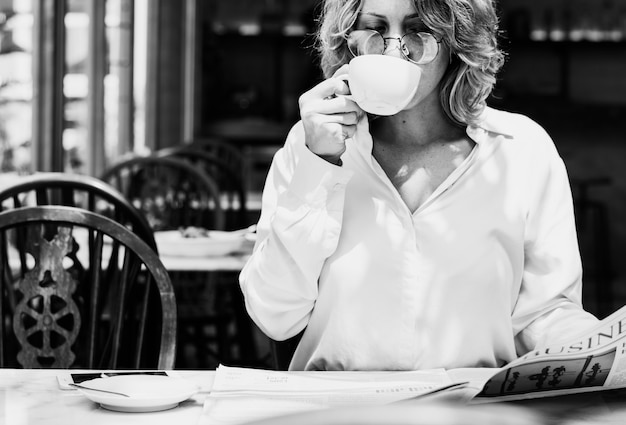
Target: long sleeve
{"x":301,"y":218}
{"x":549,"y":306}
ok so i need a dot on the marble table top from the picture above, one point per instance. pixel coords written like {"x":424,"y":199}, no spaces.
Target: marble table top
{"x":33,"y":396}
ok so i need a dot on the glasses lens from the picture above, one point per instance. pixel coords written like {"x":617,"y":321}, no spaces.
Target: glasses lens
{"x":365,"y":42}
{"x":422,"y":47}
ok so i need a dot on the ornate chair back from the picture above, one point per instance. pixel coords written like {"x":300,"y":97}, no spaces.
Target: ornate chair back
{"x":110,"y":304}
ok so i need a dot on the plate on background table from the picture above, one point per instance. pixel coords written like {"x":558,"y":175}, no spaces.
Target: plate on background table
{"x":210,"y":243}
{"x":146,"y":393}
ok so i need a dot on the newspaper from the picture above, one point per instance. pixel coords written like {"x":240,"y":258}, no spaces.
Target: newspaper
{"x":593,"y":361}
{"x":241,"y":395}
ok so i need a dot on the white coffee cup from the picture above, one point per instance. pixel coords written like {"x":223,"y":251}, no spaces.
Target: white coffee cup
{"x":382,"y":84}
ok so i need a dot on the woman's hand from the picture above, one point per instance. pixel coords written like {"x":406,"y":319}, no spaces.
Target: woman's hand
{"x":329,"y":117}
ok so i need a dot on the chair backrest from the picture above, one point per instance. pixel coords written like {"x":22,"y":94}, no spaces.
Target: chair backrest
{"x":229,"y":154}
{"x":230,"y":181}
{"x":171,"y":192}
{"x":95,"y":309}
{"x":76,"y":190}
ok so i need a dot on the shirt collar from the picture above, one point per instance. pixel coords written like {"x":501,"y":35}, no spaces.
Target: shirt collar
{"x":491,"y":121}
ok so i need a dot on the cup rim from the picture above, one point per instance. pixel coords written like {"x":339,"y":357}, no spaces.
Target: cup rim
{"x":381,"y":57}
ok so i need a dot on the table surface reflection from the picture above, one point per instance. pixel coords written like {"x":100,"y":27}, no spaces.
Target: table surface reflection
{"x":33,"y":396}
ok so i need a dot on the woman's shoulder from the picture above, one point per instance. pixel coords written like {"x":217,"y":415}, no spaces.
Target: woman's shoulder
{"x":511,"y":124}
{"x":522,"y":131}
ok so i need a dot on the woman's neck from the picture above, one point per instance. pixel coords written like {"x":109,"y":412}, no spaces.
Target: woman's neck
{"x":419,"y":126}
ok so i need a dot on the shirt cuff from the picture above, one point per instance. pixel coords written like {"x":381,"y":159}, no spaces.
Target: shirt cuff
{"x":318,"y":182}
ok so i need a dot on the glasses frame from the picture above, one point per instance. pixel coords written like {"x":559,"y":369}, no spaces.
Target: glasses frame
{"x":404,"y":50}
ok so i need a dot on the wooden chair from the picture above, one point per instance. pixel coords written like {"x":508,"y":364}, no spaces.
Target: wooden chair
{"x":71,"y":190}
{"x":169,"y":191}
{"x":220,"y":161}
{"x":234,"y":156}
{"x":174,"y":194}
{"x":230,"y":155}
{"x":111,"y":305}
{"x":229,"y":179}
{"x":76,"y":190}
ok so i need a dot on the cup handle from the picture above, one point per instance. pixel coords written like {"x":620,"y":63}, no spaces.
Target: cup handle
{"x":345,"y":78}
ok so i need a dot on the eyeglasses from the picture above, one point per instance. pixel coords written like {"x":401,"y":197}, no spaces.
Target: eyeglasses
{"x":418,"y":47}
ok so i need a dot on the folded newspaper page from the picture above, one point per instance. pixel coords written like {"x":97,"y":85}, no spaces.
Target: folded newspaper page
{"x":593,"y":361}
{"x":240,"y":395}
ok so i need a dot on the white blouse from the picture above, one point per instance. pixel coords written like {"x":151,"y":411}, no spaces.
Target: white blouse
{"x":483,"y":271}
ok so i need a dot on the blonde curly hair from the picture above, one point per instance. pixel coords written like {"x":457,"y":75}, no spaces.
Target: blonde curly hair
{"x":468,"y":27}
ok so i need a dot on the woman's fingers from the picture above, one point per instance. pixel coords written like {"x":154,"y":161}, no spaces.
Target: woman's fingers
{"x":327,"y":89}
{"x":329,"y":116}
{"x":347,"y":131}
{"x":335,"y":105}
{"x":345,"y":118}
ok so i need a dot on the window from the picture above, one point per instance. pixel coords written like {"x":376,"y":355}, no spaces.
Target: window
{"x":15,"y":86}
{"x":72,"y":81}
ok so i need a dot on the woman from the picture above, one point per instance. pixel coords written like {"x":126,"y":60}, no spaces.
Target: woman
{"x":442,"y":236}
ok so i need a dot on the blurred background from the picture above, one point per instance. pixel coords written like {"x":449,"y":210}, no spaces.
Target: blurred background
{"x":85,"y":82}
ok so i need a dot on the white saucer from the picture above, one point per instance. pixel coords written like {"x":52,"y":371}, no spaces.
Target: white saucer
{"x":147,"y":393}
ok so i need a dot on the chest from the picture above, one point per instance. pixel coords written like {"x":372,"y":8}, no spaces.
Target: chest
{"x":417,"y":174}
